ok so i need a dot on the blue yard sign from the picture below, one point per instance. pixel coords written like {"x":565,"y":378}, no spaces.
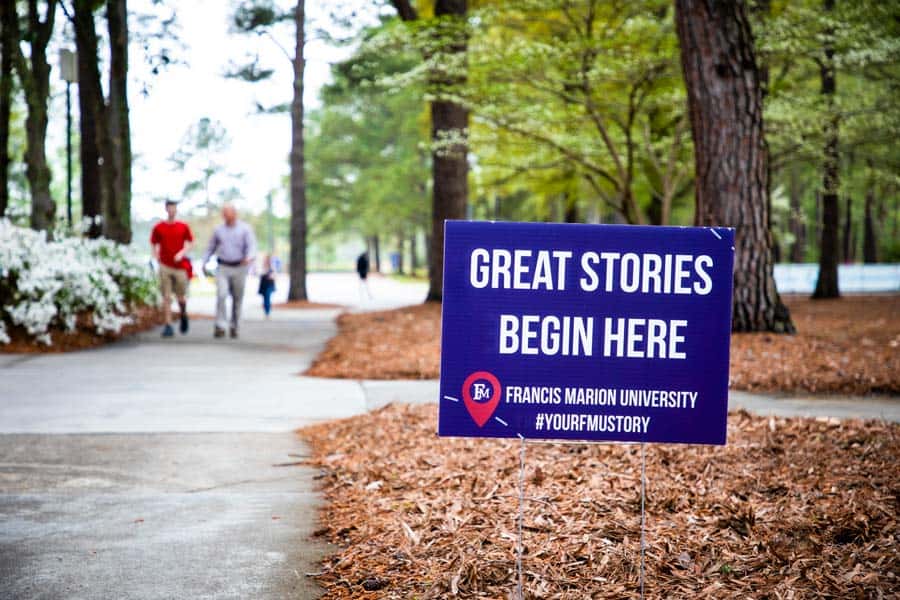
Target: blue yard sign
{"x":589,"y":332}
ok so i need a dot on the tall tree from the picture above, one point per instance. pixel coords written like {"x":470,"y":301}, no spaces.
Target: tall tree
{"x":827,"y":283}
{"x":796,"y":224}
{"x":367,"y":168}
{"x":9,"y":28}
{"x":725,"y":107}
{"x":117,"y":212}
{"x":449,"y":129}
{"x":870,"y":245}
{"x":851,"y":48}
{"x":96,"y":182}
{"x":260,"y":17}
{"x":582,"y":87}
{"x":848,"y":241}
{"x":34,"y":75}
{"x":297,"y":285}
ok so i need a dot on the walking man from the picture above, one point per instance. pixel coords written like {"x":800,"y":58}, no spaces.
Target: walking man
{"x":171,"y":240}
{"x":235,"y":247}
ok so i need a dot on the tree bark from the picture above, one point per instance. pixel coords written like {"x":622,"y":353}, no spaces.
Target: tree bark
{"x":796,"y":219}
{"x":376,"y":247}
{"x":297,"y":286}
{"x":827,"y":282}
{"x":9,"y":41}
{"x":449,"y":165}
{"x":400,"y":251}
{"x":725,"y":106}
{"x":571,"y":212}
{"x":96,"y":183}
{"x":870,"y":239}
{"x":34,"y":74}
{"x":847,"y":250}
{"x":117,"y":212}
{"x":413,"y":254}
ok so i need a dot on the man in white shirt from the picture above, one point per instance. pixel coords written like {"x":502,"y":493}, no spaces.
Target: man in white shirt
{"x":234,"y":246}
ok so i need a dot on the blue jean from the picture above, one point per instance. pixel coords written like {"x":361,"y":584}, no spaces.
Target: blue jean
{"x":267,"y":301}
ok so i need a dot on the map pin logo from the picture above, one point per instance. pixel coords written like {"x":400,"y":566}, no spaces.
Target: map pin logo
{"x":481,"y":394}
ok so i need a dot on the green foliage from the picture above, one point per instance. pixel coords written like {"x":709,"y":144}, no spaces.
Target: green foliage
{"x":258,"y":15}
{"x":583,"y":89}
{"x":367,"y":166}
{"x":865,"y":36}
{"x":199,"y":159}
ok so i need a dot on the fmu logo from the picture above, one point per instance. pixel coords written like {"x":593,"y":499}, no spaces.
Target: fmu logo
{"x":481,"y":394}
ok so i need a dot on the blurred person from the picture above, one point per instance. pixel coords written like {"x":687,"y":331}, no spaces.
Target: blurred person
{"x":171,"y":240}
{"x":267,"y":283}
{"x":234,"y":246}
{"x":362,"y":269}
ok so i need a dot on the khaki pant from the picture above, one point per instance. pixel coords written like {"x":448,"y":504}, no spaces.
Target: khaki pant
{"x":173,"y":280}
{"x":229,"y":282}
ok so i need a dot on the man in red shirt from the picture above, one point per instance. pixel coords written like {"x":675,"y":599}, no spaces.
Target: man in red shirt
{"x":171,"y":241}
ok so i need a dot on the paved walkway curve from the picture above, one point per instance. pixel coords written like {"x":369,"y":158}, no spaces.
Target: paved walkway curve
{"x":156,"y":468}
{"x":150,"y":468}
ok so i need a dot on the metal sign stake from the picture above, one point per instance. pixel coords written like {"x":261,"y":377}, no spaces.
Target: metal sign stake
{"x":519,"y":587}
{"x":643,"y":496}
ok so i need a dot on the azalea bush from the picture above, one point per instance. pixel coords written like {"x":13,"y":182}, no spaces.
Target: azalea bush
{"x":58,"y":285}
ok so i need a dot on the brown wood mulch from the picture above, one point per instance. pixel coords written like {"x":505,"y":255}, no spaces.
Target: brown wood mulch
{"x":304,"y":304}
{"x":850,"y":345}
{"x":790,"y":508}
{"x":84,"y":337}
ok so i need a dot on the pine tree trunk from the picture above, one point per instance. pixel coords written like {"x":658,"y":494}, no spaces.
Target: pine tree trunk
{"x":400,"y":251}
{"x":376,"y":246}
{"x":655,"y":210}
{"x":796,"y":219}
{"x":725,"y":106}
{"x":117,"y":212}
{"x":571,"y":214}
{"x":297,"y":287}
{"x":34,"y":74}
{"x":870,"y":243}
{"x":847,"y":250}
{"x":450,"y":165}
{"x":413,"y":254}
{"x":450,"y":173}
{"x":827,"y":283}
{"x":9,"y":40}
{"x":96,"y":183}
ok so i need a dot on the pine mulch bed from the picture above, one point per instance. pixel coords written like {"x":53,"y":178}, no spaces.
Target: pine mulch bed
{"x":84,"y":337}
{"x":851,"y":345}
{"x":790,"y":508}
{"x":392,"y":344}
{"x":304,"y":304}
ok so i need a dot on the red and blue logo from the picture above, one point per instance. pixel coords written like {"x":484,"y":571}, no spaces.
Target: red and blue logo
{"x":481,"y":394}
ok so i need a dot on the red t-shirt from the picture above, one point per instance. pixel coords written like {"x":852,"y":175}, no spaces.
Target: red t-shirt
{"x":171,"y":238}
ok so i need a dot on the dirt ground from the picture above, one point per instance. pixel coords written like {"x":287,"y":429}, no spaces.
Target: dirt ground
{"x":145,"y":317}
{"x":850,"y":345}
{"x":790,"y":508}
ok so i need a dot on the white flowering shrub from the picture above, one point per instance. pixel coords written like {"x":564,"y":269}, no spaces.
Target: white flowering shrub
{"x":46,"y":285}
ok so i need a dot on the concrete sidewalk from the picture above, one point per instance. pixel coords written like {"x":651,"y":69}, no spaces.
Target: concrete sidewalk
{"x":154,"y":468}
